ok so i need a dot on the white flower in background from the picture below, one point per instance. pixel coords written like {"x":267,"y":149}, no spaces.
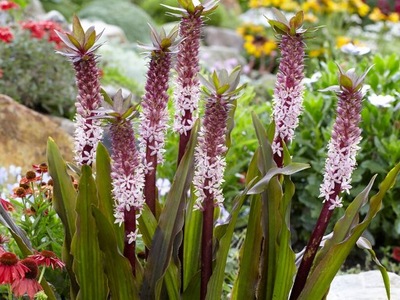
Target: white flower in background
{"x":163,"y":185}
{"x":381,"y":100}
{"x":350,"y":48}
{"x":314,"y":78}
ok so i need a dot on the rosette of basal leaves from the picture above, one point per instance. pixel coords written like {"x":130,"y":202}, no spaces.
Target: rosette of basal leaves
{"x":80,"y":48}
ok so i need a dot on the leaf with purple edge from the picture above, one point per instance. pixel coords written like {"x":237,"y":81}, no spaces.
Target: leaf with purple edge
{"x":279,"y":27}
{"x":280,"y":17}
{"x":77,"y":30}
{"x":90,"y":41}
{"x":297,"y":20}
{"x":74,"y":41}
{"x":345,"y":81}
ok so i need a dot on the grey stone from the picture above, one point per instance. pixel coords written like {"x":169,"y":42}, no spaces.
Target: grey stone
{"x":55,"y":16}
{"x":363,"y":286}
{"x":111,"y":33}
{"x":218,"y":57}
{"x":35,"y":9}
{"x":216,"y":36}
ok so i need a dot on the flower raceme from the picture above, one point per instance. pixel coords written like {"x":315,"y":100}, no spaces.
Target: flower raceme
{"x":80,"y":47}
{"x":187,"y":90}
{"x":340,"y":163}
{"x":221,"y":89}
{"x":154,"y":116}
{"x":288,"y":92}
{"x":346,"y":136}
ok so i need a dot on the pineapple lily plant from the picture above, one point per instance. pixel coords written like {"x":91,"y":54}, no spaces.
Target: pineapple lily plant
{"x":116,"y":202}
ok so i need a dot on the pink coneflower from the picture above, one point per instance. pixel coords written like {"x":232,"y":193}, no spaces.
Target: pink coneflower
{"x":27,"y":285}
{"x":41,"y":168}
{"x":11,"y":268}
{"x":47,"y":258}
{"x":80,"y":48}
{"x":288,"y":92}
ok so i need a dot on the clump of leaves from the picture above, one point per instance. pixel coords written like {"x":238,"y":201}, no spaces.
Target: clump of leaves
{"x":35,"y":77}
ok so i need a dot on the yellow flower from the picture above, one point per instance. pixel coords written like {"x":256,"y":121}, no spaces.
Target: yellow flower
{"x":376,"y":15}
{"x":316,"y":52}
{"x":310,"y":17}
{"x":342,"y":40}
{"x":290,"y":5}
{"x":312,"y":5}
{"x":393,"y":17}
{"x":361,"y":8}
{"x":258,"y":46}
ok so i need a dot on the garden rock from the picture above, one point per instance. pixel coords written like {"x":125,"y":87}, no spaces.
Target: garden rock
{"x":363,"y":286}
{"x":132,"y":19}
{"x":55,"y":16}
{"x":24,"y":135}
{"x":218,"y":57}
{"x":216,"y":36}
{"x":35,"y":9}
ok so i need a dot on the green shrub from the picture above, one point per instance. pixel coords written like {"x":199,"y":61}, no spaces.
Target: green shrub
{"x":130,"y":17}
{"x":35,"y":76}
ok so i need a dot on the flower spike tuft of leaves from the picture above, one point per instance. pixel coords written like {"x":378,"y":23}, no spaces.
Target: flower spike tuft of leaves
{"x":80,"y":48}
{"x":154,"y":116}
{"x":187,"y":90}
{"x":127,"y":169}
{"x":220,"y":89}
{"x":288,"y":92}
{"x":340,"y":163}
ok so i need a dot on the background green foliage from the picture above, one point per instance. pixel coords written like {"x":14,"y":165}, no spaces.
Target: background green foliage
{"x":130,"y":17}
{"x":35,"y":76}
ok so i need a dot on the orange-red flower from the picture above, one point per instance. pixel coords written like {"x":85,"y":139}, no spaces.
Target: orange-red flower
{"x":396,"y":253}
{"x":7,"y":205}
{"x":11,"y":268}
{"x":6,"y":35}
{"x":27,"y":285}
{"x":30,"y":176}
{"x":7,"y":5}
{"x":41,"y":168}
{"x":48,"y":258}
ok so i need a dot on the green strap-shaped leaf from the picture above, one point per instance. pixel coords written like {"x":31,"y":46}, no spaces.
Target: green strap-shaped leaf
{"x":247,"y":279}
{"x":170,"y":223}
{"x":147,"y":227}
{"x":64,"y":201}
{"x":285,"y":256}
{"x":88,"y":258}
{"x":104,"y":188}
{"x":322,"y":275}
{"x":192,"y":240}
{"x":117,"y":267}
{"x":290,"y":169}
{"x":363,"y":243}
{"x":214,"y":287}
